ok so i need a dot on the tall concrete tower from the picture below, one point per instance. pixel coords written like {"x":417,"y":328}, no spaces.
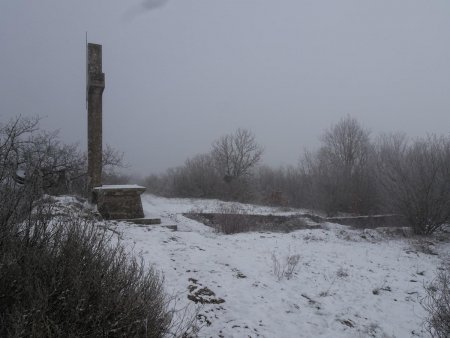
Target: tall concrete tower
{"x":95,"y":87}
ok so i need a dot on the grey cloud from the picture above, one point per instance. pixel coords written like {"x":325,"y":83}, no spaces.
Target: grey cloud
{"x":144,"y":7}
{"x":179,"y":74}
{"x":153,"y":4}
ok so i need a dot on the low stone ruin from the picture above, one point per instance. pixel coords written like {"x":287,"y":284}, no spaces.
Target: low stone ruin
{"x":119,"y":201}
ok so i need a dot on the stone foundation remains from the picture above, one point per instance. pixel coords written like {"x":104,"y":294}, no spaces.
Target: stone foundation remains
{"x":119,"y":201}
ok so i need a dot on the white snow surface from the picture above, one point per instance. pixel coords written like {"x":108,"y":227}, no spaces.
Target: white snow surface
{"x":348,"y":283}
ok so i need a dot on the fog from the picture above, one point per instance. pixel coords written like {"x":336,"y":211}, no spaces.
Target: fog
{"x":181,"y":73}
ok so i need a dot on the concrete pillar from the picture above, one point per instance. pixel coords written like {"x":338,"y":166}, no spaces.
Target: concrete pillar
{"x":95,"y":87}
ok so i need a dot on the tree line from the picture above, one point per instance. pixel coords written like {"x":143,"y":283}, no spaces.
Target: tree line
{"x":351,"y":172}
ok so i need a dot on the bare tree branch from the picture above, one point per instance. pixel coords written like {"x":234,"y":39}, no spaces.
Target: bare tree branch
{"x":235,"y":155}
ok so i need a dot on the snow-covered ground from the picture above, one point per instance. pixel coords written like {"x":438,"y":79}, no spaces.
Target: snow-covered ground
{"x":348,"y":283}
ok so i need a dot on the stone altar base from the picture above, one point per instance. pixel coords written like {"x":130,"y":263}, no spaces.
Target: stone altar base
{"x":118,"y":202}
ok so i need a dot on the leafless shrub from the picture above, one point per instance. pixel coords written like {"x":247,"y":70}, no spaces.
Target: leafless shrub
{"x":185,"y":320}
{"x":63,"y":276}
{"x":326,"y":293}
{"x":437,"y":304}
{"x":196,"y":178}
{"x":421,"y":244}
{"x":284,"y":268}
{"x":372,"y":330}
{"x":414,"y":177}
{"x":342,"y":273}
{"x":231,"y":219}
{"x":376,"y":291}
{"x":340,"y":173}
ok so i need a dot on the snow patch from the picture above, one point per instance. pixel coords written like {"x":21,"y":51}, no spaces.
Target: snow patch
{"x":347,"y":283}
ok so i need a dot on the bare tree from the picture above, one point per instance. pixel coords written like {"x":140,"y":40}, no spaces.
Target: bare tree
{"x":235,"y":155}
{"x":415,"y":178}
{"x":347,"y":145}
{"x":282,"y":186}
{"x":340,"y":171}
{"x":111,"y":160}
{"x":14,"y":199}
{"x":196,"y":178}
{"x":11,"y":138}
{"x":29,"y":154}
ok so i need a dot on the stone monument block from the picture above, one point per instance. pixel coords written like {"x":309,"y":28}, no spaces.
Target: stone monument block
{"x":119,"y":201}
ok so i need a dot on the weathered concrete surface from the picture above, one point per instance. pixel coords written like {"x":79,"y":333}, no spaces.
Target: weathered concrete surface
{"x":95,"y":87}
{"x":142,"y":221}
{"x":149,"y":223}
{"x":370,"y":222}
{"x":295,"y":222}
{"x":120,"y":202}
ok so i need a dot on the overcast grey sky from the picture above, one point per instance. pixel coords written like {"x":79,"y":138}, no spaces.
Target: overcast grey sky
{"x":181,"y":73}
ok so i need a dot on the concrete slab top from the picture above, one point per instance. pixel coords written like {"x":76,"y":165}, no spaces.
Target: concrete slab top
{"x":121,"y":187}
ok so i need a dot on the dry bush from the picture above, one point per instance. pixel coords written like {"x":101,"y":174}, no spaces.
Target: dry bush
{"x":437,"y":304}
{"x":342,"y":272}
{"x":64,"y":277}
{"x":231,"y":219}
{"x":339,"y":175}
{"x":285,"y":268}
{"x":414,"y":179}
